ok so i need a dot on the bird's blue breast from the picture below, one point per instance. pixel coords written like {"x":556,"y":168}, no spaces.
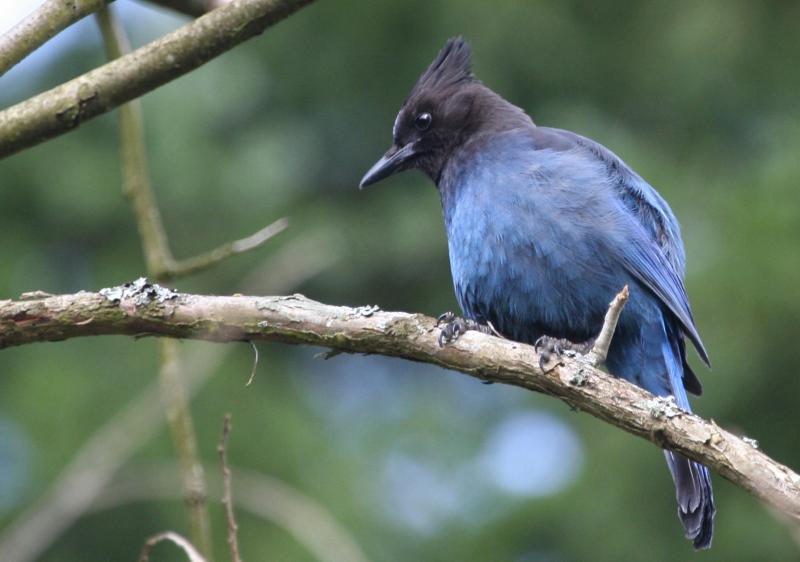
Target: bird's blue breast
{"x":526,"y":230}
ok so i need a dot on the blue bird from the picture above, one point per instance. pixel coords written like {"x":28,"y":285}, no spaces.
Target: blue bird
{"x":544,"y":227}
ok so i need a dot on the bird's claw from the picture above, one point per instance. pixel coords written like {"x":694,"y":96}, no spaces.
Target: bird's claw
{"x":445,"y":318}
{"x":453,"y":327}
{"x":549,"y":348}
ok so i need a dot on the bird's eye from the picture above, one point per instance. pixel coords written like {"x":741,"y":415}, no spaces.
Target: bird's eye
{"x":423,"y":121}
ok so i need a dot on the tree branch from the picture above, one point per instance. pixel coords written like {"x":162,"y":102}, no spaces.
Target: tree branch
{"x":136,"y":185}
{"x":65,"y":107}
{"x":158,"y":257}
{"x":138,"y":189}
{"x":227,"y":490}
{"x":145,"y":309}
{"x":175,"y":399}
{"x":52,"y":17}
{"x":211,"y":258}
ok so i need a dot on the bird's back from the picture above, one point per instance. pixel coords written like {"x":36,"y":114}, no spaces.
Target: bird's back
{"x":639,"y":197}
{"x":529,"y":225}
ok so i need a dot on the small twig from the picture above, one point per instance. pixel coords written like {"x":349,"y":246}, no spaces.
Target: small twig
{"x":599,"y":350}
{"x":227,"y":494}
{"x":133,"y":154}
{"x":137,"y":187}
{"x":38,"y":27}
{"x":178,"y":540}
{"x":302,"y":257}
{"x":213,"y":257}
{"x":176,"y":406}
{"x":255,"y":364}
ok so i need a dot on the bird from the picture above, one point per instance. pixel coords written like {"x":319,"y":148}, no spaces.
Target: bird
{"x":544,"y":226}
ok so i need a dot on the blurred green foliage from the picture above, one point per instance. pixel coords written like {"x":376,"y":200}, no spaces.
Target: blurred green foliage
{"x":699,"y":97}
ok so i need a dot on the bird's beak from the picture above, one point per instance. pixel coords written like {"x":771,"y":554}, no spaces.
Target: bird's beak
{"x":389,"y":163}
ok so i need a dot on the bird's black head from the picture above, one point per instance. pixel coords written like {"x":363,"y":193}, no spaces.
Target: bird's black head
{"x":445,"y":107}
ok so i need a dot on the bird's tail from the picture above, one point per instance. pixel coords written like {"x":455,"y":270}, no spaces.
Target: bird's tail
{"x":695,"y":498}
{"x":693,"y":491}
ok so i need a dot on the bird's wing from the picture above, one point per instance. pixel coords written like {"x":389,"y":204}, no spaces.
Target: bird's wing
{"x":642,"y":259}
{"x":655,"y":257}
{"x":638,"y":196}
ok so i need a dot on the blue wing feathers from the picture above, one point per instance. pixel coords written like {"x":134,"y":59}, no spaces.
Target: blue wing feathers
{"x":638,"y":196}
{"x":649,"y":265}
{"x":653,"y":253}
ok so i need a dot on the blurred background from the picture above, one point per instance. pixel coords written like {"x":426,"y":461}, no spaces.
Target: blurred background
{"x":398,"y":460}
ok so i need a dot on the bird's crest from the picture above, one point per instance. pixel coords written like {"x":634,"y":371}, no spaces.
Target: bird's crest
{"x":452,"y":66}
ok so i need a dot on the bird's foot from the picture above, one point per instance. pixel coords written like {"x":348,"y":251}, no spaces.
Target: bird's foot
{"x":454,"y":326}
{"x":551,"y":348}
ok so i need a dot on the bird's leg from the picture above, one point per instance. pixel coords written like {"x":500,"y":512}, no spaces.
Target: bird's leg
{"x":548,"y":347}
{"x":453,"y":326}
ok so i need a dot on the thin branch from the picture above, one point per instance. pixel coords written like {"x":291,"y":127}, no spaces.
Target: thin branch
{"x":176,"y":406}
{"x":227,"y":494}
{"x":599,"y":350}
{"x":67,"y":106}
{"x":52,"y":17}
{"x":193,"y":8}
{"x":181,"y":542}
{"x":149,"y":309}
{"x":255,"y":364}
{"x":133,"y":155}
{"x":203,"y":261}
{"x":162,"y":265}
{"x":136,"y":185}
{"x":300,"y":258}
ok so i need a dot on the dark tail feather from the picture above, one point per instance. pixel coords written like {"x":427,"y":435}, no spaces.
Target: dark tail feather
{"x":692,"y":481}
{"x":696,"y":508}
